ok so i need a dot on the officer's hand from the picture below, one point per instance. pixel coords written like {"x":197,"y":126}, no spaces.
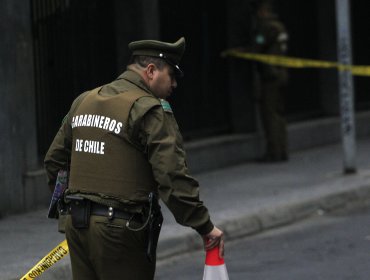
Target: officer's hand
{"x":213,"y":239}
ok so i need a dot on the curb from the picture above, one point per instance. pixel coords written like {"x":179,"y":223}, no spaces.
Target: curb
{"x":269,"y":218}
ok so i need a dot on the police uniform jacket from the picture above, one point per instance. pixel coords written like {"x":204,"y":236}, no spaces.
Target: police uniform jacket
{"x":122,"y":143}
{"x":270,"y":37}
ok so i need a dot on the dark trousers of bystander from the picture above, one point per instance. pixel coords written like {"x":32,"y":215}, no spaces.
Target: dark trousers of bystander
{"x":271,"y":107}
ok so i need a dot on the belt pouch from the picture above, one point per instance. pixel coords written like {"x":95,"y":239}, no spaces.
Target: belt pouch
{"x":62,"y":223}
{"x":80,"y":213}
{"x":62,"y":216}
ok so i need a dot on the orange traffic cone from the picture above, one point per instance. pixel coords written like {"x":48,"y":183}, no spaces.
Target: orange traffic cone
{"x":215,"y":268}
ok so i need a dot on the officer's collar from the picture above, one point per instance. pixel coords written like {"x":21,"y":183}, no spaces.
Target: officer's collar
{"x":135,"y":78}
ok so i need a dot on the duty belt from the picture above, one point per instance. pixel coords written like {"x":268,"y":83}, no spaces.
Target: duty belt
{"x":110,"y":212}
{"x":95,"y":209}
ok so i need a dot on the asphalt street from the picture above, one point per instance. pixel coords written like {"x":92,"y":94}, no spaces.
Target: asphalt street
{"x":324,"y":247}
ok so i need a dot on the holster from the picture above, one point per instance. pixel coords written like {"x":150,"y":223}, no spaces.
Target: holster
{"x":79,"y":208}
{"x":62,"y":215}
{"x":61,"y":185}
{"x":154,"y":227}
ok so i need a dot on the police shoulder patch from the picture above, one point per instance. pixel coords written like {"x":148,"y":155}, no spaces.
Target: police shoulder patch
{"x":166,"y":106}
{"x":260,"y":39}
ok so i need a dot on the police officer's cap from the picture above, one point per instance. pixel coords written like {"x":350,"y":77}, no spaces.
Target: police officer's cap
{"x":170,"y":52}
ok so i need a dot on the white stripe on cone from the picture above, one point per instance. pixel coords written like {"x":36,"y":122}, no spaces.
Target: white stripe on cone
{"x":215,"y":268}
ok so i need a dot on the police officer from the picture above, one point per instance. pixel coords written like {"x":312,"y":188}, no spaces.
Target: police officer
{"x":122,"y":144}
{"x":270,"y":37}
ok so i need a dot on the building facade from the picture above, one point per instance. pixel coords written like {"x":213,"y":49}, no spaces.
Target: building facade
{"x":53,"y":50}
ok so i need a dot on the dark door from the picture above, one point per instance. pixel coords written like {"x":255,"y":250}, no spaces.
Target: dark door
{"x":201,"y":100}
{"x":74,"y":50}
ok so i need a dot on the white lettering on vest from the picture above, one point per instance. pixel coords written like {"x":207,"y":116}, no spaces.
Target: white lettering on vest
{"x":90,"y":146}
{"x":80,"y":120}
{"x":101,"y":121}
{"x":97,"y":121}
{"x":106,"y":123}
{"x":78,"y":145}
{"x":88,"y":123}
{"x":118,"y":128}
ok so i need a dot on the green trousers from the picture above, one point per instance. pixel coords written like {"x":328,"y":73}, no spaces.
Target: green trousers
{"x":272,"y":115}
{"x":107,"y":250}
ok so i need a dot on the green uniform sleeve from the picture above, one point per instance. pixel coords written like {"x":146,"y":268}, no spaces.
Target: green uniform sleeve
{"x":59,"y":153}
{"x":159,"y":134}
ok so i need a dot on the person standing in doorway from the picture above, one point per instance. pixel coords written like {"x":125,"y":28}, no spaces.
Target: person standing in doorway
{"x":269,"y":36}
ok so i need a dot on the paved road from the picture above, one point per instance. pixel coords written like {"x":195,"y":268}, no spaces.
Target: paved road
{"x":330,"y":246}
{"x":243,"y":199}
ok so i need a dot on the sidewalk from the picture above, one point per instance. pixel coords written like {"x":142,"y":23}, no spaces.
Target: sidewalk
{"x":242,"y":200}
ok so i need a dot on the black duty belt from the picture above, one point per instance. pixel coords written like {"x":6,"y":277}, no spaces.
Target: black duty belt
{"x":111,"y":213}
{"x":81,"y":207}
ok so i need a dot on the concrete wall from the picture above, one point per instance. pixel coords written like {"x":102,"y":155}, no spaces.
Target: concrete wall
{"x":17,"y":106}
{"x":227,"y":150}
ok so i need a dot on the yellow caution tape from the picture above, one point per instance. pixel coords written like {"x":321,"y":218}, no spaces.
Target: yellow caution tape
{"x":292,"y":62}
{"x":50,"y":259}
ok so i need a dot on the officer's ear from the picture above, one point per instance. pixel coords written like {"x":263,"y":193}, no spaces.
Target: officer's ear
{"x":150,"y":70}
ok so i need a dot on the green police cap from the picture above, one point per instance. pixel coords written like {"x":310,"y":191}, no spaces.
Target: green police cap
{"x":171,"y":52}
